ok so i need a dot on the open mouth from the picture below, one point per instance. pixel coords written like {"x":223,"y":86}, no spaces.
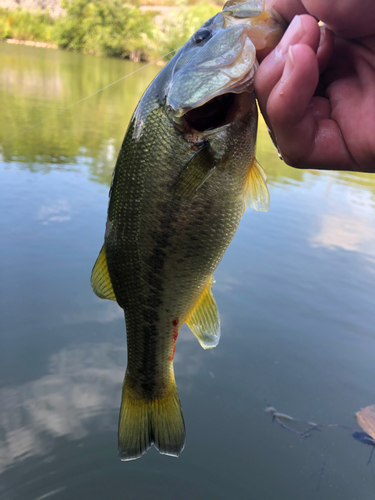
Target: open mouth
{"x":212,"y":114}
{"x":219,"y":111}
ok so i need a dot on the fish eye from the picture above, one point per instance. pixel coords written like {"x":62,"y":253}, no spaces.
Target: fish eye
{"x":201,"y":35}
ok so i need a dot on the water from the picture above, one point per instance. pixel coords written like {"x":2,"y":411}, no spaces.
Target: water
{"x":296,"y":292}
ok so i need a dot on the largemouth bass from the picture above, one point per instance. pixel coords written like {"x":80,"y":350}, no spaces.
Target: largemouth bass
{"x":184,"y":173}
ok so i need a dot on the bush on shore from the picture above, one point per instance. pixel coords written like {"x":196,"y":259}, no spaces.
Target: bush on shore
{"x":23,"y":25}
{"x":105,"y":27}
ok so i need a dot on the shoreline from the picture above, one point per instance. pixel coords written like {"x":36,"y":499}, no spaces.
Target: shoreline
{"x":44,"y":45}
{"x":48,"y":45}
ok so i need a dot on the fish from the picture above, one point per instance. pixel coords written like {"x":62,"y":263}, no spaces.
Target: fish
{"x":185,"y":171}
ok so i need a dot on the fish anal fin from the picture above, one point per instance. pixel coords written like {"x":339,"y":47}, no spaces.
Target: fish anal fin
{"x":256,"y":193}
{"x":144,"y":422}
{"x":100,"y":279}
{"x":204,"y":319}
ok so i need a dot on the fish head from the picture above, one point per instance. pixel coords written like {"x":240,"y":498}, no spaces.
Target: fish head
{"x":218,"y":63}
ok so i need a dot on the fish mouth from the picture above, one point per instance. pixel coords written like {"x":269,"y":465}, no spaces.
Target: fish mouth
{"x":219,"y":111}
{"x":229,"y":103}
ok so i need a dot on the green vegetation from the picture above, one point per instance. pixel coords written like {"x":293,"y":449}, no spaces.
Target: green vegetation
{"x":172,"y":3}
{"x":23,"y":25}
{"x":109,"y":27}
{"x":105,"y":27}
{"x":182,"y":24}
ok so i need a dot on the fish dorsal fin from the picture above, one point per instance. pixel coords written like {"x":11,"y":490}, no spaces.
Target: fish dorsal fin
{"x":256,"y":193}
{"x":100,"y":279}
{"x":196,"y":172}
{"x":204,"y":319}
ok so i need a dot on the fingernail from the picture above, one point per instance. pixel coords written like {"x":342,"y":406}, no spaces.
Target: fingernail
{"x":293,"y":35}
{"x":289,"y":65}
{"x":323,"y":32}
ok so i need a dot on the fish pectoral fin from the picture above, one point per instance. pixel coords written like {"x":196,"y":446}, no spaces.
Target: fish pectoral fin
{"x":256,"y":193}
{"x":204,"y":319}
{"x":196,"y":172}
{"x":100,"y":279}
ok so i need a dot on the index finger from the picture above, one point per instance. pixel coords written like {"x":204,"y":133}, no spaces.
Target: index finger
{"x":346,"y":18}
{"x":288,"y":8}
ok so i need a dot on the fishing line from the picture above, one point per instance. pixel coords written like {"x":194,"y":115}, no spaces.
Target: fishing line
{"x":87,"y":97}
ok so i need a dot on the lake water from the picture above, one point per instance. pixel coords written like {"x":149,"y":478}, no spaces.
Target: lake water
{"x":296,"y":292}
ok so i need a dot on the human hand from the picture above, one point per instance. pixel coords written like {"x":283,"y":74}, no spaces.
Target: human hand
{"x":316,"y":90}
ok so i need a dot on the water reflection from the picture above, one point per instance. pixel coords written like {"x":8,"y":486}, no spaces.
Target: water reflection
{"x":55,"y":211}
{"x":83,"y":384}
{"x":347,"y":232}
{"x":38,"y":83}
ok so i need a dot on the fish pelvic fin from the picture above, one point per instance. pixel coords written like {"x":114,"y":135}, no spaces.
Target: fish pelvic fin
{"x":204,"y":319}
{"x":144,"y":422}
{"x":100,"y":279}
{"x":256,"y":193}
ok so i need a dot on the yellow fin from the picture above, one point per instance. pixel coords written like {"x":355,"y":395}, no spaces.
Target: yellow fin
{"x":144,"y":422}
{"x":204,"y":319}
{"x":100,"y":279}
{"x":256,"y":193}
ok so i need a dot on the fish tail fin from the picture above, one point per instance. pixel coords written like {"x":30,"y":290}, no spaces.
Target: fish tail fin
{"x":144,"y":422}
